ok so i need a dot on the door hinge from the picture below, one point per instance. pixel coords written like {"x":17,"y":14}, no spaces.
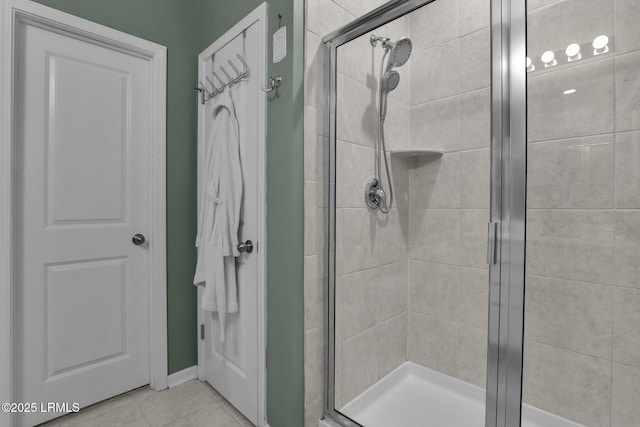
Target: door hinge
{"x":202,"y":331}
{"x":492,"y":238}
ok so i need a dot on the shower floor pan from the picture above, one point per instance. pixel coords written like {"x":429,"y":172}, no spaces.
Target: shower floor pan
{"x":415,"y":396}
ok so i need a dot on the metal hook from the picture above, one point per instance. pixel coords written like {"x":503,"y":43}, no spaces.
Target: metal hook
{"x":244,"y":64}
{"x":202,"y":87}
{"x":218,"y":78}
{"x":211,"y":83}
{"x":234,"y":68}
{"x":275,"y":82}
{"x":225,"y":73}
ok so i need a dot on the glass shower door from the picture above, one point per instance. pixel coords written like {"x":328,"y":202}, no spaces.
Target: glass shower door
{"x":410,"y":177}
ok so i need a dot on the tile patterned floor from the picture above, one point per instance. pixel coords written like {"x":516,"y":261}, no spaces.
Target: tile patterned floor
{"x":192,"y":404}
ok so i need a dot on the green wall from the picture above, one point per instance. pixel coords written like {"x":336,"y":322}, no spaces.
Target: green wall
{"x":285,"y":202}
{"x":170,"y":23}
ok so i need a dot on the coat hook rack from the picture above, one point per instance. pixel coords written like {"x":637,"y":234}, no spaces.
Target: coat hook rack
{"x":275,"y":83}
{"x":206,"y":94}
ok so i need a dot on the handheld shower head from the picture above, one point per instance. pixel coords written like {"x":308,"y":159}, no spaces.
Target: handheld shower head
{"x":390,"y":80}
{"x":400,"y":52}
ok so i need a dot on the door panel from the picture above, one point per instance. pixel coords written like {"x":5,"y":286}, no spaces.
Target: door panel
{"x":104,"y":138}
{"x":82,"y":192}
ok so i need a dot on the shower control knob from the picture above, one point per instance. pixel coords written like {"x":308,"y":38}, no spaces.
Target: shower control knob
{"x":245,"y":247}
{"x":138,"y":239}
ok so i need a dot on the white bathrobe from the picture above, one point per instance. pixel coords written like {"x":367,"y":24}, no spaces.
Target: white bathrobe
{"x":219,"y":217}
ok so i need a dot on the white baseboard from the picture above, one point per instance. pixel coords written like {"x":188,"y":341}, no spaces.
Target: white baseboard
{"x":183,"y":376}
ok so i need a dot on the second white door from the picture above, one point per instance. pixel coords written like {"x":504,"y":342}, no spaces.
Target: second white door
{"x":234,"y":367}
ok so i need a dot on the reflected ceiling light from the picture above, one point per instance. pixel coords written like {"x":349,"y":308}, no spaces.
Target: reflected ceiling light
{"x":573,"y":52}
{"x":600,"y":45}
{"x":569,"y":91}
{"x":530,"y":66}
{"x":549,"y":59}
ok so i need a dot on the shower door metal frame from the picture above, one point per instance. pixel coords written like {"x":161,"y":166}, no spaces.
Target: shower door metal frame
{"x":507,"y":213}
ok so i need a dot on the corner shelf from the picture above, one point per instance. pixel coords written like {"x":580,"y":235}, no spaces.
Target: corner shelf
{"x":414,"y":154}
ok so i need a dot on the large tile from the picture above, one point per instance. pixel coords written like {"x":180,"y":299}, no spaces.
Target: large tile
{"x":627,"y":30}
{"x":475,"y":120}
{"x":627,"y":170}
{"x":313,"y":376}
{"x":473,"y":237}
{"x":435,"y":182}
{"x":391,"y":337}
{"x":475,"y":61}
{"x":359,"y":364}
{"x":312,"y":219}
{"x":356,"y":303}
{"x":626,"y":326}
{"x":475,"y":174}
{"x":474,"y":15}
{"x":331,"y":17}
{"x":339,"y":380}
{"x":627,"y":92}
{"x":313,"y":412}
{"x":473,"y":297}
{"x":391,"y":293}
{"x":625,"y":395}
{"x":314,"y":70}
{"x":588,"y":111}
{"x":357,"y":59}
{"x":569,"y":21}
{"x":568,"y":384}
{"x":435,"y":73}
{"x":436,"y":125}
{"x":434,"y":24}
{"x":355,"y":164}
{"x":313,"y":293}
{"x":435,"y":236}
{"x":312,"y":15}
{"x":339,"y":242}
{"x":359,"y":7}
{"x":397,"y":126}
{"x":126,"y":415}
{"x":627,"y":248}
{"x":573,"y":173}
{"x":433,"y":343}
{"x":356,"y":112}
{"x":161,"y":408}
{"x":537,"y":4}
{"x":433,"y":289}
{"x":104,"y":408}
{"x":392,"y":236}
{"x":400,"y":180}
{"x":359,"y":249}
{"x":310,"y":143}
{"x":472,"y":355}
{"x":209,"y":416}
{"x":572,"y":315}
{"x":573,"y":245}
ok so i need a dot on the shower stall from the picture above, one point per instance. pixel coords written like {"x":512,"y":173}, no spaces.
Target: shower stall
{"x":490,"y":275}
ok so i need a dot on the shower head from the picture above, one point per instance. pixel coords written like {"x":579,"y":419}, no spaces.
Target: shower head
{"x":390,"y":81}
{"x":400,"y":52}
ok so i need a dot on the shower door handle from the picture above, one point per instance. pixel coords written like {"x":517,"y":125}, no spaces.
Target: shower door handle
{"x":492,"y":237}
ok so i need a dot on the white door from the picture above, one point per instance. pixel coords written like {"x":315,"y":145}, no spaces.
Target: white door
{"x":82,"y":285}
{"x":233,"y":367}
